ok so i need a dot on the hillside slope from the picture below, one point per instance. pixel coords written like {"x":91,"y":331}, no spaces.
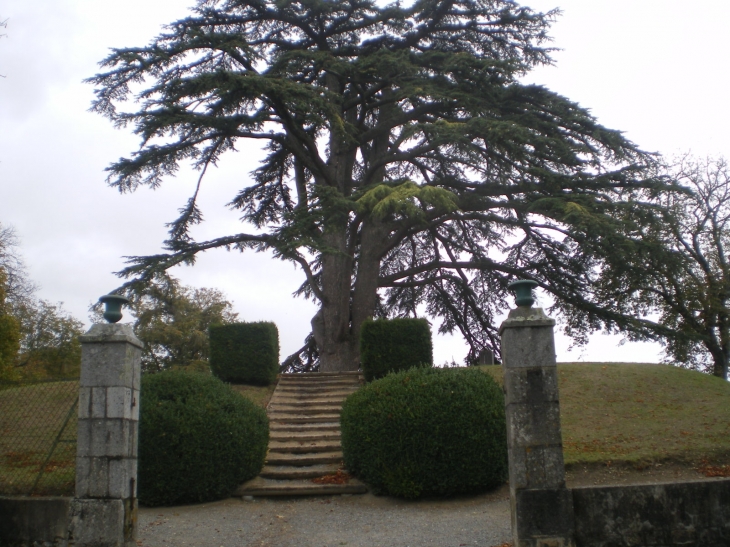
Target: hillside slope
{"x":641,"y":413}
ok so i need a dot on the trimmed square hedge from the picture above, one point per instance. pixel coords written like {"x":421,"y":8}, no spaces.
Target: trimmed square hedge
{"x":245,"y":353}
{"x":394,"y":344}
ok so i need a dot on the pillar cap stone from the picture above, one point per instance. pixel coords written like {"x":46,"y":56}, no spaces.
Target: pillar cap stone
{"x":104,"y":333}
{"x":526,"y":317}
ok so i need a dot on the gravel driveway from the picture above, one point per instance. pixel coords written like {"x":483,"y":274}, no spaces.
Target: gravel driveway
{"x":352,"y":521}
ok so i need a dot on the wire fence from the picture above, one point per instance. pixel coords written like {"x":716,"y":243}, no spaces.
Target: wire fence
{"x":38,"y":425}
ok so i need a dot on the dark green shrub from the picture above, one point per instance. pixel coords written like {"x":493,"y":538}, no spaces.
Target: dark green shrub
{"x":427,"y":432}
{"x":198,"y":439}
{"x":388,"y":345}
{"x":245,"y":353}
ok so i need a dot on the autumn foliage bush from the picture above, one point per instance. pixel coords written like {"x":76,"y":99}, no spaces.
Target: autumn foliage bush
{"x":198,"y":439}
{"x":427,"y":432}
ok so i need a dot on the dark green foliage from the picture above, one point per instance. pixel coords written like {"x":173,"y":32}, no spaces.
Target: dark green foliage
{"x":444,"y":176}
{"x":394,"y":344}
{"x":198,"y":439}
{"x":245,"y":353}
{"x":427,"y":432}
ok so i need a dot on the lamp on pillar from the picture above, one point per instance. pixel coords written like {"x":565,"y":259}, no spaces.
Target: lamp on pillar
{"x":113,"y":306}
{"x":523,"y":292}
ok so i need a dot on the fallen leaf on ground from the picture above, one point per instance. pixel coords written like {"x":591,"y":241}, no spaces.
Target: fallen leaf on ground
{"x":340,"y":477}
{"x":714,"y":470}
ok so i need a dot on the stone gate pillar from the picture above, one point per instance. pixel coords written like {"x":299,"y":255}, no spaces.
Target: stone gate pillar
{"x":105,"y":506}
{"x":541,"y":505}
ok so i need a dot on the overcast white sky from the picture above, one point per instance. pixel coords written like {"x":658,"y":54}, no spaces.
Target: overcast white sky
{"x":656,"y":69}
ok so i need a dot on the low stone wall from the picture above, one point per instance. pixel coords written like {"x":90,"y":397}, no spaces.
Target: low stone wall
{"x":653,"y":515}
{"x":34,"y":522}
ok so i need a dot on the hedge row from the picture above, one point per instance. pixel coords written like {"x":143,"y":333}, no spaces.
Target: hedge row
{"x":245,"y":353}
{"x":394,"y":344}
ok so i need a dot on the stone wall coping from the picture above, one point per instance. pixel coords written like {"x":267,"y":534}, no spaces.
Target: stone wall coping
{"x":526,"y":317}
{"x":105,"y":333}
{"x":721,"y":482}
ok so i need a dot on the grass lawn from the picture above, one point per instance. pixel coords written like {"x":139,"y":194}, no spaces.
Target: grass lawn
{"x":258,"y":394}
{"x":31,"y":418}
{"x":636,"y":413}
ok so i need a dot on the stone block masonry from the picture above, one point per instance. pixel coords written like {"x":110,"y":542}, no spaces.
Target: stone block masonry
{"x":104,"y":511}
{"x":541,"y":505}
{"x":690,"y":514}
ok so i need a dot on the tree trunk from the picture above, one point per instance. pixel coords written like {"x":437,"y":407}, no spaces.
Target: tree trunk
{"x":332,"y":335}
{"x":720,"y":361}
{"x":719,"y":345}
{"x":365,"y":294}
{"x":336,"y":327}
{"x":345,"y":305}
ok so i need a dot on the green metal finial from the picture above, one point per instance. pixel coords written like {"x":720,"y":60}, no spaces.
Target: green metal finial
{"x":113,"y":306}
{"x":523,"y":291}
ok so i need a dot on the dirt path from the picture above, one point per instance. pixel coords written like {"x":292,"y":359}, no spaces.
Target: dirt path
{"x":352,"y":521}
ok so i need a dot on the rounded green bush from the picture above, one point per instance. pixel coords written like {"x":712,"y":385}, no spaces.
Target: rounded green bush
{"x":427,"y":432}
{"x":198,"y":439}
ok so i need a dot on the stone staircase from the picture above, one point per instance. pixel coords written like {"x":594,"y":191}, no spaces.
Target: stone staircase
{"x":304,"y":445}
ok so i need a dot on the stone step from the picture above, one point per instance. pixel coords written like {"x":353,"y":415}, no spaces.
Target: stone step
{"x":312,"y":394}
{"x":320,"y":374}
{"x":288,"y":472}
{"x":304,"y":442}
{"x":315,"y":435}
{"x":316,"y":458}
{"x":303,"y":447}
{"x":304,"y":427}
{"x":316,"y":387}
{"x":303,"y":399}
{"x":309,"y":410}
{"x":270,"y":487}
{"x":320,"y":377}
{"x":347,"y":382}
{"x":299,"y":418}
{"x":324,"y":382}
{"x":319,"y":381}
{"x":308,"y":400}
{"x":303,"y":405}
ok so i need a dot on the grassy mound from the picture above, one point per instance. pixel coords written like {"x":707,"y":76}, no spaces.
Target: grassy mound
{"x":640,"y":413}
